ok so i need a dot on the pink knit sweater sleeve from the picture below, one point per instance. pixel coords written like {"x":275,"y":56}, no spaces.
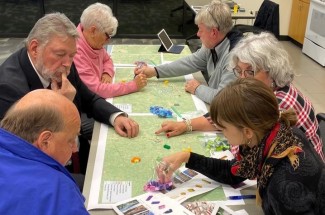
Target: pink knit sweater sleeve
{"x":90,"y":71}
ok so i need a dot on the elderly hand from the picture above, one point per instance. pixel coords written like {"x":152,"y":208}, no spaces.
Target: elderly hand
{"x":169,"y":164}
{"x":126,"y":127}
{"x":172,"y":128}
{"x":148,"y":71}
{"x":65,"y":88}
{"x":191,"y":86}
{"x":141,"y":81}
{"x":106,"y":78}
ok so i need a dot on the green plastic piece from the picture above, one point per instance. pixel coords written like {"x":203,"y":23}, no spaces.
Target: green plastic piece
{"x":167,"y":146}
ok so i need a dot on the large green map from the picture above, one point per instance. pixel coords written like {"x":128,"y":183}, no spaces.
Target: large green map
{"x":118,"y":152}
{"x":158,"y":92}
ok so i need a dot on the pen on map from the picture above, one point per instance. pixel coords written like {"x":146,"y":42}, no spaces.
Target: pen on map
{"x":242,"y":197}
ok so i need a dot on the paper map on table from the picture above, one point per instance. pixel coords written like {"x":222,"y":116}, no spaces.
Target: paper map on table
{"x":114,"y":169}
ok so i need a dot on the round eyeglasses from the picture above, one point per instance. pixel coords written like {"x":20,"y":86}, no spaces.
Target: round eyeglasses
{"x":247,"y":73}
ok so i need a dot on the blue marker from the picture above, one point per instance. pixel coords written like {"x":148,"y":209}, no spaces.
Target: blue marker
{"x":242,"y":197}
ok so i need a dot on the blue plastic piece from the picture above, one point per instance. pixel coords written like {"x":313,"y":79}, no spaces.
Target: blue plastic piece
{"x":161,"y":112}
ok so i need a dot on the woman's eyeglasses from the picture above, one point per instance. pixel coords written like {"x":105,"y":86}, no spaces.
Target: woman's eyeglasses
{"x":247,"y":73}
{"x":108,"y":36}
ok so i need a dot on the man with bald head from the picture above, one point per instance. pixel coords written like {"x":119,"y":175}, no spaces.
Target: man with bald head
{"x":37,"y":137}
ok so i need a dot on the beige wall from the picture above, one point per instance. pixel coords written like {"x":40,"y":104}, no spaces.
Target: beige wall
{"x":285,"y":11}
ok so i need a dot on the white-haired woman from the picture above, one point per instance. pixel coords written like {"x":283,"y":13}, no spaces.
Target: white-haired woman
{"x":95,"y":66}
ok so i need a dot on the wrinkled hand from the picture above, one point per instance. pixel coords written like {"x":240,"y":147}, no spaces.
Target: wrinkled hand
{"x":141,"y":81}
{"x":169,"y":165}
{"x":148,"y":71}
{"x":106,"y":78}
{"x":126,"y":127}
{"x":65,"y":88}
{"x":191,"y":86}
{"x":172,"y":128}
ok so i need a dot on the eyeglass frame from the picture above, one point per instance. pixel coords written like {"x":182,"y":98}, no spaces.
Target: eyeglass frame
{"x":109,"y":36}
{"x":251,"y":73}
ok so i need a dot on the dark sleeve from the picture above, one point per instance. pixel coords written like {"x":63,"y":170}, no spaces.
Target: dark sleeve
{"x":90,"y":103}
{"x":157,"y":72}
{"x":9,"y":94}
{"x":13,"y":83}
{"x":216,"y":169}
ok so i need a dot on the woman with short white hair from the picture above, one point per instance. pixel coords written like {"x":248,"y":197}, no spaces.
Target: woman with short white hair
{"x":95,"y":66}
{"x":261,"y":56}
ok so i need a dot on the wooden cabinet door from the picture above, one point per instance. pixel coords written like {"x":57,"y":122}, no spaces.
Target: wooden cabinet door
{"x":298,"y":20}
{"x":294,"y":19}
{"x":303,"y":21}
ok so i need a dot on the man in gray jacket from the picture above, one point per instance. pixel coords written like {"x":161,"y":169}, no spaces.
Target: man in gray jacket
{"x":215,"y":31}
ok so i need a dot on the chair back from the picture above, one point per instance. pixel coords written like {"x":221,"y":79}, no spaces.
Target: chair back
{"x":267,"y":17}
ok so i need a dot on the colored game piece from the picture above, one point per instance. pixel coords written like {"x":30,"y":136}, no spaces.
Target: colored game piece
{"x":206,"y":181}
{"x":149,"y":197}
{"x":161,"y":112}
{"x":157,"y":186}
{"x":161,"y":206}
{"x":139,"y":64}
{"x":167,"y":146}
{"x":216,"y":144}
{"x":168,"y":211}
{"x":188,"y":149}
{"x":135,"y":160}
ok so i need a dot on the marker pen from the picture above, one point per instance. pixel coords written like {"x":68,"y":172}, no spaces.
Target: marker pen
{"x":242,"y":197}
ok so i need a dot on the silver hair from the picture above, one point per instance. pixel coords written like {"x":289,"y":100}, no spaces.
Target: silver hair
{"x":49,"y":25}
{"x":216,"y":14}
{"x":264,"y":52}
{"x":101,"y":16}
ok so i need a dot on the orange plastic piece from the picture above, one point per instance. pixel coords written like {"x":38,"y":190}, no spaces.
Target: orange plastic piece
{"x":135,"y":160}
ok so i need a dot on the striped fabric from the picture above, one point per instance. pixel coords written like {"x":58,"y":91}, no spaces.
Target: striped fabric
{"x":290,"y":97}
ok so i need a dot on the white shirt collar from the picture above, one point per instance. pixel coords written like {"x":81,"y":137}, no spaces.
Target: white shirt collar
{"x":45,"y":83}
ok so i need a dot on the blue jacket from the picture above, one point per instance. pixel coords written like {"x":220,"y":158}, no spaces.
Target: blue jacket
{"x":33,"y":183}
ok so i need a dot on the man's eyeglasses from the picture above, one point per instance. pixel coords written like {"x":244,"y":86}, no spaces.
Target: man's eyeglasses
{"x":247,"y":73}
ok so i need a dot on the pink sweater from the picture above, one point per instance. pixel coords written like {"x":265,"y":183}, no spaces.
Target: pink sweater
{"x":91,"y":64}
